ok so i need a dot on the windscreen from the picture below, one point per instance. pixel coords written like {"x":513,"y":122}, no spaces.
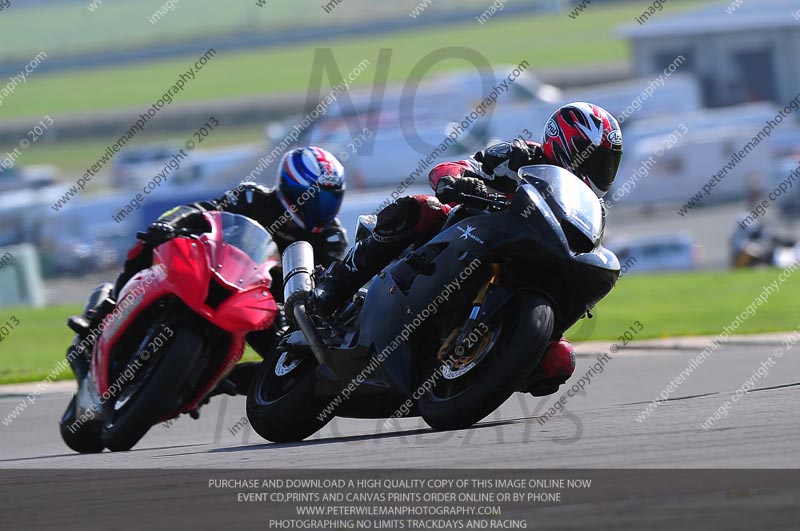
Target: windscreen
{"x":247,"y":236}
{"x":578,"y":203}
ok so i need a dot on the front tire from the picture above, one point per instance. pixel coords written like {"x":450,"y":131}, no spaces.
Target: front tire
{"x":282,"y":405}
{"x":526,"y":332}
{"x":84,"y":438}
{"x":159,"y":393}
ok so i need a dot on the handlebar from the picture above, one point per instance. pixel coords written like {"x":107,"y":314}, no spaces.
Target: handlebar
{"x":493,"y":203}
{"x":183,"y":232}
{"x":186,"y":233}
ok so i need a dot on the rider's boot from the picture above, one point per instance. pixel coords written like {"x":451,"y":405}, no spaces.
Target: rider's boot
{"x":241,"y":376}
{"x":100,"y":304}
{"x":238,"y":381}
{"x":556,"y":367}
{"x":343,"y":279}
{"x":103,"y":300}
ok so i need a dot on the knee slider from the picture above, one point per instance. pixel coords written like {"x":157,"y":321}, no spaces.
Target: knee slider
{"x":397,"y":219}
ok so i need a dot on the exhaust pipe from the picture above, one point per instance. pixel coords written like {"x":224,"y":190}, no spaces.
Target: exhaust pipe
{"x":298,"y":266}
{"x":306,"y":325}
{"x":298,"y":282}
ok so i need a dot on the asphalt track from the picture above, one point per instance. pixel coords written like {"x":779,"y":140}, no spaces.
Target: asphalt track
{"x":597,"y":429}
{"x":167,"y":488}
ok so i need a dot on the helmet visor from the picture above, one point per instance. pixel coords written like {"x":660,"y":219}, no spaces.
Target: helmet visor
{"x":320,"y":209}
{"x":600,"y":166}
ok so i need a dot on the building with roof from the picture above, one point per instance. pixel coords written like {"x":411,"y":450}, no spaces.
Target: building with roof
{"x":740,"y":50}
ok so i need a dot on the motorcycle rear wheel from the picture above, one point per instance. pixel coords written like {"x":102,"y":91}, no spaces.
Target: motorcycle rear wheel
{"x":526,"y":330}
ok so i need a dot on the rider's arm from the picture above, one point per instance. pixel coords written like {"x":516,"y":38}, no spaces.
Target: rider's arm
{"x":503,"y":158}
{"x":164,"y":228}
{"x":449,"y":179}
{"x":182,"y":215}
{"x":332,"y":244}
{"x":246,"y":199}
{"x":258,"y":202}
{"x":604,"y":210}
{"x":467,"y":167}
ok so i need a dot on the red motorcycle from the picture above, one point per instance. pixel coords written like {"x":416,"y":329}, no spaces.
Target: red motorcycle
{"x":176,"y":331}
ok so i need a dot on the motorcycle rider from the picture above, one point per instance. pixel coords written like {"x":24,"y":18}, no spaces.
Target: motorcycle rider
{"x":580,"y":137}
{"x":755,"y":242}
{"x":309,"y":189}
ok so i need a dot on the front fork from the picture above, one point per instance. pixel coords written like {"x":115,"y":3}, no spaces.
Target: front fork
{"x":462,"y":341}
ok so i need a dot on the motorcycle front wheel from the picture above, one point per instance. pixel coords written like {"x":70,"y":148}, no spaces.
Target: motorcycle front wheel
{"x":282,"y":405}
{"x":82,"y":437}
{"x":153,"y":392}
{"x":467,"y":390}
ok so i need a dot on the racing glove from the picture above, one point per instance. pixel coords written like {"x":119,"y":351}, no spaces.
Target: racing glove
{"x":505,"y":158}
{"x":449,"y":188}
{"x":157,"y":233}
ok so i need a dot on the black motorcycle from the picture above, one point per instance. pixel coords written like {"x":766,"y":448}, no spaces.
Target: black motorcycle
{"x":451,"y":329}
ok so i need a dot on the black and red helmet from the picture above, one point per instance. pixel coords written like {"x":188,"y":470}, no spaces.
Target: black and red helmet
{"x":586,"y":140}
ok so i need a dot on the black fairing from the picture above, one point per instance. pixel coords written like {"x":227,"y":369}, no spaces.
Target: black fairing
{"x":529,"y":237}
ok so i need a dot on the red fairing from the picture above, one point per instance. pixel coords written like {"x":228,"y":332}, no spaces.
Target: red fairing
{"x":135,"y":250}
{"x":194,"y":265}
{"x":187,"y":268}
{"x":252,"y":306}
{"x":138,"y":294}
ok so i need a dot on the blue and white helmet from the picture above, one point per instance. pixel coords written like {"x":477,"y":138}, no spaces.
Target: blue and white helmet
{"x":310,"y":185}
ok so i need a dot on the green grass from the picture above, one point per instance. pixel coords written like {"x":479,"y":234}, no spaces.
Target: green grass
{"x":73,"y":156}
{"x":666,"y":305}
{"x":692,"y":304}
{"x":71,"y":27}
{"x":32,"y":350}
{"x":262,"y":71}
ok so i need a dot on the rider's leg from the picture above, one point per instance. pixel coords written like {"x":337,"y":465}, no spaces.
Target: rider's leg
{"x":409,"y":220}
{"x":98,"y":307}
{"x":139,"y":257}
{"x":79,"y":352}
{"x":262,"y":341}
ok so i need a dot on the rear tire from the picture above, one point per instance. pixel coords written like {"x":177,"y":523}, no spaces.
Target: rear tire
{"x":159,"y":392}
{"x":530,"y":326}
{"x":86,"y":438}
{"x":285,"y":408}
